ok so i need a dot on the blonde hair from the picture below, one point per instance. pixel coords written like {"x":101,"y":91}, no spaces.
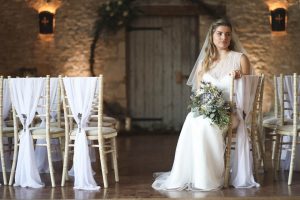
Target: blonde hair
{"x":211,"y":50}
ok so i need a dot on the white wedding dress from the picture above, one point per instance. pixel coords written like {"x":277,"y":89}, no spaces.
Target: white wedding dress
{"x":199,"y":157}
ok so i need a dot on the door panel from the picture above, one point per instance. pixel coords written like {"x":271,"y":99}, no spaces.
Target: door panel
{"x":161,"y":49}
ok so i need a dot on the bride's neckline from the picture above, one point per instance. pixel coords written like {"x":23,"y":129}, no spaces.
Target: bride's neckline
{"x":220,"y":79}
{"x":217,"y":62}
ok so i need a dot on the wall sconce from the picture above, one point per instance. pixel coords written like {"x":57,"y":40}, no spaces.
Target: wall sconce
{"x":278,"y":19}
{"x":46,"y":22}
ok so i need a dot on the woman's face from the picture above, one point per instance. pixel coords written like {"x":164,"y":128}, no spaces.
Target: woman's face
{"x":222,"y":37}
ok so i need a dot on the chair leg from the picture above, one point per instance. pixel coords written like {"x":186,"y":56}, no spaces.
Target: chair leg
{"x":273,"y":146}
{"x":276,"y":156}
{"x":115,"y":160}
{"x":279,"y":152}
{"x":49,"y":153}
{"x":227,"y":159}
{"x":3,"y":161}
{"x":13,"y":167}
{"x":61,"y":146}
{"x":260,"y":141}
{"x":264,"y":150}
{"x":105,"y":160}
{"x":256,"y":160}
{"x":65,"y":165}
{"x":103,"y":165}
{"x":254,"y":153}
{"x":293,"y":155}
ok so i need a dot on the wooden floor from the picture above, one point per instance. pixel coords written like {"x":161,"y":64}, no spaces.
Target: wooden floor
{"x":139,"y":156}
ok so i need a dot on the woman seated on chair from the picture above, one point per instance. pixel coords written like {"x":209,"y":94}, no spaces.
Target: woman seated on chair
{"x":199,"y":156}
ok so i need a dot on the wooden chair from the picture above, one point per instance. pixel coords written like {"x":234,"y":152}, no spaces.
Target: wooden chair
{"x":254,"y":131}
{"x":48,"y":132}
{"x":106,"y":120}
{"x":281,"y":105}
{"x":104,"y":137}
{"x":5,"y":131}
{"x":289,"y":130}
{"x":55,"y":122}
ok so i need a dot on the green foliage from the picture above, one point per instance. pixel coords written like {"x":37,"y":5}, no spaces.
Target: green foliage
{"x":208,"y":101}
{"x":115,"y":14}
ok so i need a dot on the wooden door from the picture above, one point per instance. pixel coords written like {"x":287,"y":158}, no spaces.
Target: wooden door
{"x":161,"y":53}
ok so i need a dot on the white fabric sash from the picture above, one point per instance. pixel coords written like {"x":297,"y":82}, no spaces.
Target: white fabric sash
{"x":80,"y":92}
{"x":6,"y":103}
{"x":242,"y":175}
{"x":25,"y":96}
{"x":40,"y":151}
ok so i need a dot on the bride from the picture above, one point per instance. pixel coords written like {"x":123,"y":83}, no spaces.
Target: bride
{"x":199,"y":157}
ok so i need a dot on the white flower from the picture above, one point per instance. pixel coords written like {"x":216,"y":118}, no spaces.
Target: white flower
{"x":198,"y":92}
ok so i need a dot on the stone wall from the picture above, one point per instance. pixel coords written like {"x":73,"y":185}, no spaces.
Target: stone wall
{"x":68,"y":51}
{"x":268,"y":53}
{"x":23,"y":51}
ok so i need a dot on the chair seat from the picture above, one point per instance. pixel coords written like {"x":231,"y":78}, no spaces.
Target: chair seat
{"x":54,"y":124}
{"x":286,"y":129}
{"x":9,"y":122}
{"x":42,"y":131}
{"x":104,"y":119}
{"x":109,"y":119}
{"x":104,"y":124}
{"x":272,"y":122}
{"x":8,"y":129}
{"x":93,"y":131}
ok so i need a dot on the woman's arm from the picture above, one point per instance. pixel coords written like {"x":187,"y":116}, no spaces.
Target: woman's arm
{"x":245,"y":68}
{"x":245,"y":65}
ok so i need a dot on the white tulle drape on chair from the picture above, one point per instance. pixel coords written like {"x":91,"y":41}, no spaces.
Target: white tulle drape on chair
{"x":6,"y":108}
{"x":25,"y":94}
{"x":80,"y":92}
{"x":41,"y":152}
{"x":242,"y":173}
{"x":6,"y":100}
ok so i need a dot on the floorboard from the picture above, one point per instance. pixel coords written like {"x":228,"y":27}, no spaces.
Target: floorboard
{"x":140,"y":155}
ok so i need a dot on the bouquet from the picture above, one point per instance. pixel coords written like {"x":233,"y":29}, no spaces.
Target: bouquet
{"x":208,"y":101}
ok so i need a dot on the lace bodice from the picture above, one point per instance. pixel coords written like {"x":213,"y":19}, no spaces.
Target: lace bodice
{"x":219,"y":74}
{"x":227,"y":65}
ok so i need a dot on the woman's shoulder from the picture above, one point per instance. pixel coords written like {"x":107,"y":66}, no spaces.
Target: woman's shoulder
{"x":237,"y":56}
{"x":236,"y":53}
{"x":241,"y":62}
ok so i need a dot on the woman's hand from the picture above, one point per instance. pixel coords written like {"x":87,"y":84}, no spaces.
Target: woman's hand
{"x":236,"y":74}
{"x":244,"y":68}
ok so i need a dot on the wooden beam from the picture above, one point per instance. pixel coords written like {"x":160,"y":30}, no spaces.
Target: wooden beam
{"x":214,"y":11}
{"x":169,"y":10}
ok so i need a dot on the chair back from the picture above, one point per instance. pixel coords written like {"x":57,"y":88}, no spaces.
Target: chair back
{"x":1,"y":106}
{"x":43,"y":108}
{"x":296,"y":94}
{"x":256,"y":129}
{"x":245,"y":95}
{"x":96,"y":106}
{"x":285,"y":98}
{"x":256,"y":121}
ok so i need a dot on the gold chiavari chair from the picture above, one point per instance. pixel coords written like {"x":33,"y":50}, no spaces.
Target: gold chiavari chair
{"x":253,"y":131}
{"x":46,"y":132}
{"x":281,"y":105}
{"x":104,"y":137}
{"x":5,"y":131}
{"x":289,"y":130}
